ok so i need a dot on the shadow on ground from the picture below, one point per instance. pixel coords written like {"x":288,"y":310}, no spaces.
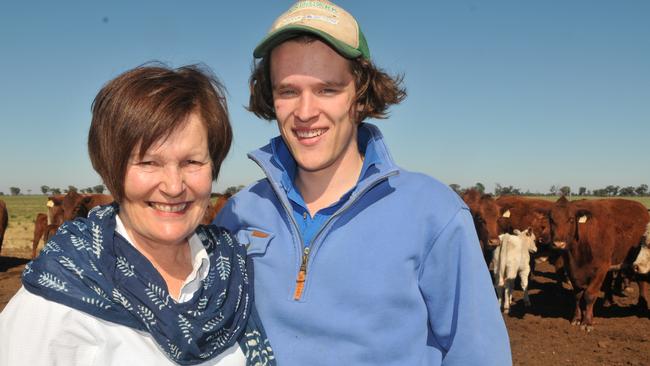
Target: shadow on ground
{"x":10,"y":262}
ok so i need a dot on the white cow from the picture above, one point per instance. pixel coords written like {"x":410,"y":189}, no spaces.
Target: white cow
{"x":512,"y":258}
{"x":642,"y":263}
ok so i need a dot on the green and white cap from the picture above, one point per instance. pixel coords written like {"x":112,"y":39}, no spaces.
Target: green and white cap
{"x":331,"y":23}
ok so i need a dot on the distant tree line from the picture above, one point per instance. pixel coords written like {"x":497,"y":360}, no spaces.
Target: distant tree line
{"x":559,"y":190}
{"x":47,"y":190}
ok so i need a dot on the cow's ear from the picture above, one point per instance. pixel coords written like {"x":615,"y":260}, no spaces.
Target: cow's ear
{"x":529,"y":231}
{"x":516,"y":231}
{"x":583,"y":216}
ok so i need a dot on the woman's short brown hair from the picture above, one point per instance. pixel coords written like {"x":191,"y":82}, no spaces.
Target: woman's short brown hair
{"x":148,"y":103}
{"x":376,"y":91}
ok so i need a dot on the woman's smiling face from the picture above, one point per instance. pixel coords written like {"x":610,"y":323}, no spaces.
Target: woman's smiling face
{"x":167,"y":190}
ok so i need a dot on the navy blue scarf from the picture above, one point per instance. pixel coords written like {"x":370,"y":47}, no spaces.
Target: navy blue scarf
{"x":89,"y":267}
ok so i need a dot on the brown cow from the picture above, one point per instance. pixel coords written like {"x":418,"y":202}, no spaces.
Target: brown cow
{"x":485,"y":213}
{"x":522,"y":213}
{"x":597,"y":236}
{"x":212,"y":210}
{"x":42,"y":230}
{"x":4,"y":221}
{"x":77,"y":205}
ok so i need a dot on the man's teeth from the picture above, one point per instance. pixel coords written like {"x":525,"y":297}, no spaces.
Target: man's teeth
{"x":169,"y":208}
{"x":305,"y":134}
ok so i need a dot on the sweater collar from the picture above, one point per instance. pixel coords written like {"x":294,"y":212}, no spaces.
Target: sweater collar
{"x":280,"y":167}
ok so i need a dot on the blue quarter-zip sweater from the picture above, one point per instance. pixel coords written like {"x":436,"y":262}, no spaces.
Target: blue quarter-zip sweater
{"x":394,"y":277}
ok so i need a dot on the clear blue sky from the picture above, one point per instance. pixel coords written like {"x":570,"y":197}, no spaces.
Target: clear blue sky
{"x":523,"y":93}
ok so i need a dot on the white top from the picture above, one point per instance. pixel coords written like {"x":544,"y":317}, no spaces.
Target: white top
{"x":35,"y":331}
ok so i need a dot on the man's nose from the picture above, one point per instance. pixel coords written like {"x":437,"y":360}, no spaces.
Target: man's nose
{"x":307,"y":107}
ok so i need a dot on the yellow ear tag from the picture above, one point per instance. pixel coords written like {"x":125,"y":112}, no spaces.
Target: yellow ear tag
{"x":582,"y":219}
{"x":506,"y":214}
{"x":50,"y":203}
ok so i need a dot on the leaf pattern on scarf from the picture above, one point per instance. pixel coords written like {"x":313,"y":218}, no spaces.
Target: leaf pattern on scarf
{"x":51,"y":281}
{"x":98,"y":290}
{"x":173,"y":351}
{"x":258,"y":352}
{"x":213,"y":323}
{"x":211,"y":277}
{"x":94,"y":267}
{"x":157,"y":295}
{"x":95,"y":302}
{"x":97,"y":240}
{"x":69,"y":264}
{"x":229,"y":241}
{"x":186,"y":328}
{"x":122,"y":300}
{"x":221,"y":297}
{"x":223,"y":265}
{"x":242,"y":267}
{"x":51,"y":247}
{"x":79,"y":243}
{"x":146,"y":315}
{"x":125,"y":267}
{"x":203,"y":303}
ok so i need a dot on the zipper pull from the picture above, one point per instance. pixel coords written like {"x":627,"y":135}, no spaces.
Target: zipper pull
{"x":302,"y":275}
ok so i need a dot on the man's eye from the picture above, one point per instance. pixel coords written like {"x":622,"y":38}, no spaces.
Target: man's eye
{"x":147,"y":163}
{"x":286,"y":93}
{"x":328,"y":91}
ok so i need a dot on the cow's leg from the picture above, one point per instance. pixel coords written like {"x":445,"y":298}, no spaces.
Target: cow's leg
{"x":642,"y":303}
{"x":608,"y":287}
{"x":577,"y":313}
{"x":507,"y":296}
{"x":590,"y":296}
{"x":38,"y":233}
{"x":523,"y":276}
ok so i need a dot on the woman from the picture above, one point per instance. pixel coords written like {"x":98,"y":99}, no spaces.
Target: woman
{"x":139,"y":280}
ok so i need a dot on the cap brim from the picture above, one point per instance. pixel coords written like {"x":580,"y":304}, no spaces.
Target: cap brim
{"x":285,"y":33}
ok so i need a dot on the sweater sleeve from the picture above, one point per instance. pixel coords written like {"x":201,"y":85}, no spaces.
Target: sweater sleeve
{"x":36,"y":332}
{"x":464,"y":318}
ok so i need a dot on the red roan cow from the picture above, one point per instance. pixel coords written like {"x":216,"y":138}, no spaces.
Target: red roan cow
{"x":4,"y":221}
{"x":78,"y":205}
{"x":522,"y":213}
{"x":63,"y":208}
{"x":44,"y":230}
{"x":485,"y":214}
{"x":597,"y":236}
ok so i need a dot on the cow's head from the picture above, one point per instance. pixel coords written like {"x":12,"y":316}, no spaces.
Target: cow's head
{"x":541,"y":226}
{"x":641,"y":264}
{"x":75,"y":205}
{"x":485,"y":213}
{"x":565,"y":218}
{"x":528,"y":238}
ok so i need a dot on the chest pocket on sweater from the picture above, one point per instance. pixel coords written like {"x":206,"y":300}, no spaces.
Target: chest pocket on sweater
{"x":256,"y":241}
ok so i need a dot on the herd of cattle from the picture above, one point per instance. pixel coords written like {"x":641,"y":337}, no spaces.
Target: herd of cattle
{"x":590,"y":242}
{"x":61,"y":208}
{"x":595,"y":243}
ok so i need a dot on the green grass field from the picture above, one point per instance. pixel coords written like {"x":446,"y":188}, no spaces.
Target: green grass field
{"x":22,"y":212}
{"x":644,"y":200}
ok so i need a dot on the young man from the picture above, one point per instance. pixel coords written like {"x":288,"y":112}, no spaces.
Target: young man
{"x":357,"y":261}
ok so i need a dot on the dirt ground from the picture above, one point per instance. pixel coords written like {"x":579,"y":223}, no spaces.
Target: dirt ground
{"x":540,"y":335}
